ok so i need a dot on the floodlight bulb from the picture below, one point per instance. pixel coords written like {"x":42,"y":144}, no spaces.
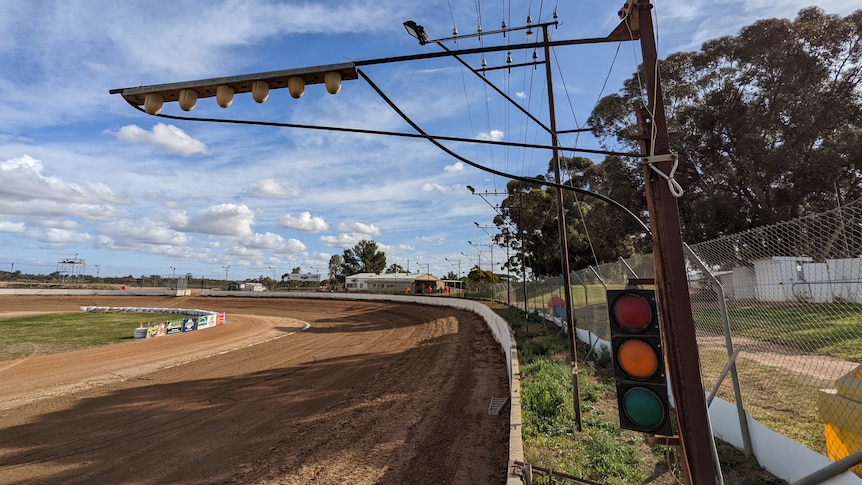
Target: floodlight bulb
{"x":224,"y":95}
{"x":260,"y":91}
{"x":153,"y":103}
{"x":188,"y":98}
{"x":333,"y":82}
{"x":296,"y":86}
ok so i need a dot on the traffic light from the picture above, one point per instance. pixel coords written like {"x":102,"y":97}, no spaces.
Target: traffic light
{"x":638,"y":362}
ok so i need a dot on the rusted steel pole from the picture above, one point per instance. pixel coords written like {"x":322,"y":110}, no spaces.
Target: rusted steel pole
{"x":677,"y":324}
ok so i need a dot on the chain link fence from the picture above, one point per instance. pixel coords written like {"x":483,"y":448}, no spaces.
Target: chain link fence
{"x":787,"y":298}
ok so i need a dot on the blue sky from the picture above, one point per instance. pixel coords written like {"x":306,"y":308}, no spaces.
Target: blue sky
{"x":83,"y":175}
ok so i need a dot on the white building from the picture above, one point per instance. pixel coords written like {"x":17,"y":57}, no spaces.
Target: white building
{"x":397,"y":283}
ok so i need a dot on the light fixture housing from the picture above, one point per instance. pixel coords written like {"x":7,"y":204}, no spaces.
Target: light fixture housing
{"x":224,"y":95}
{"x":188,"y":98}
{"x":224,"y":89}
{"x":296,"y":86}
{"x":260,"y":91}
{"x":153,"y":103}
{"x":333,"y":82}
{"x":416,"y":31}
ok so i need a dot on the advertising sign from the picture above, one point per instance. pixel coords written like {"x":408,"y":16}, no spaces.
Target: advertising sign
{"x":174,"y":326}
{"x":206,"y":321}
{"x":304,"y":277}
{"x":190,"y":324}
{"x":220,"y":318}
{"x":154,"y":329}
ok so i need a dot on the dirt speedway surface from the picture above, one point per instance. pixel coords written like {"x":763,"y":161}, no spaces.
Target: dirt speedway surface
{"x":370,"y":392}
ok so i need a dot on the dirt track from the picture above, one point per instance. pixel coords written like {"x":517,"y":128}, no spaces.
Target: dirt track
{"x":370,"y":393}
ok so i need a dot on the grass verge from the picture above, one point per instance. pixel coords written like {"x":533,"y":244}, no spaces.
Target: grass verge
{"x":61,"y":332}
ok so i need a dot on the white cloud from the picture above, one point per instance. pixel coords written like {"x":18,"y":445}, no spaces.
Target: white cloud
{"x":692,"y":23}
{"x":24,"y":179}
{"x":455,"y":167}
{"x":343,"y":241}
{"x":493,"y":135}
{"x":273,"y":242}
{"x":429,"y":187}
{"x":143,"y":231}
{"x":359,"y":228}
{"x":12,"y":227}
{"x":271,"y":188}
{"x":58,"y":236}
{"x":222,"y":220}
{"x":305,"y":222}
{"x":27,"y":190}
{"x":58,"y":223}
{"x":166,"y":138}
{"x":351,"y":233}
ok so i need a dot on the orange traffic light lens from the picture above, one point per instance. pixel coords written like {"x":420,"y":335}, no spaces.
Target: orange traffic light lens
{"x":638,"y":359}
{"x":632,"y":311}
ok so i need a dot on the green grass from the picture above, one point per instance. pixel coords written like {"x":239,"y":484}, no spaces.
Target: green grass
{"x":777,"y":399}
{"x":594,"y":294}
{"x":62,"y":332}
{"x":828,"y":329}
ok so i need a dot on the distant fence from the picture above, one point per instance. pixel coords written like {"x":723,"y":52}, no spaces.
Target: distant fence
{"x":787,"y":297}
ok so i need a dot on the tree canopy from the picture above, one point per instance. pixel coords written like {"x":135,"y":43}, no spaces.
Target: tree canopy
{"x":336,"y":268}
{"x":479,"y":276}
{"x":363,"y":258}
{"x":767,"y":124}
{"x":529,"y":226}
{"x":394,"y":268}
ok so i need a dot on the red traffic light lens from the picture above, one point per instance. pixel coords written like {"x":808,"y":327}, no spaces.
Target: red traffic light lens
{"x":632,"y":311}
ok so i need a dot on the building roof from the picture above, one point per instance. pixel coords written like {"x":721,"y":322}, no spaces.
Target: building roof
{"x":391,"y":276}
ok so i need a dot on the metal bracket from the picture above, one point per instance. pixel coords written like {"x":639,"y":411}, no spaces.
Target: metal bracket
{"x":668,"y":157}
{"x":626,"y":9}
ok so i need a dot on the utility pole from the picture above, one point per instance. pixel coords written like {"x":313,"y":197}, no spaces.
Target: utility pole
{"x":564,"y":243}
{"x":676,"y":322}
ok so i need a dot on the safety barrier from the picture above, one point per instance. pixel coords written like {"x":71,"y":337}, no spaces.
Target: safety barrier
{"x":197,"y":320}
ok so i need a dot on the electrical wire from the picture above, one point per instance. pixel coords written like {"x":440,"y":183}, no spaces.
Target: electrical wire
{"x":491,"y":170}
{"x":371,"y":132}
{"x":577,"y":138}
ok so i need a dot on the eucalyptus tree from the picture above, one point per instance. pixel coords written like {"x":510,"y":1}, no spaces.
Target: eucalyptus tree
{"x":767,"y":124}
{"x":529,"y":223}
{"x":336,"y":268}
{"x":363,"y":257}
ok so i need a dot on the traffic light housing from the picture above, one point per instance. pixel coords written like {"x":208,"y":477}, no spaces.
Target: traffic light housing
{"x":638,"y":362}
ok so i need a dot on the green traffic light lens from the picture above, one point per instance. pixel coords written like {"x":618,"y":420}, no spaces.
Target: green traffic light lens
{"x":643,"y":408}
